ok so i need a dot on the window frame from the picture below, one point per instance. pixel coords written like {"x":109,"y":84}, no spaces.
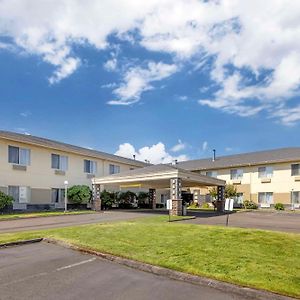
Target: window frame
{"x":92,"y":166}
{"x":20,"y":158}
{"x":297,"y":169}
{"x":61,"y":159}
{"x":114,"y":169}
{"x":265,"y":197}
{"x":238,"y":175}
{"x":265,"y":174}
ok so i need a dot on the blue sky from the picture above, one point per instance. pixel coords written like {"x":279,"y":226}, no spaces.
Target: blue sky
{"x":161,"y":91}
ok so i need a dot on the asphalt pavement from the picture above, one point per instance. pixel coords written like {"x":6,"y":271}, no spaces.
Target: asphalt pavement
{"x":47,"y":271}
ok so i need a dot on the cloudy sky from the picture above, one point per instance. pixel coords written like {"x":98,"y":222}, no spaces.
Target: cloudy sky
{"x":161,"y":79}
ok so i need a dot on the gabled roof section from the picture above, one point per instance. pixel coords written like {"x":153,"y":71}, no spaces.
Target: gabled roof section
{"x":244,"y":159}
{"x":55,"y":145}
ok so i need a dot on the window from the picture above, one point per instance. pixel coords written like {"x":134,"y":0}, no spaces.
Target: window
{"x":238,"y":199}
{"x":265,"y":198}
{"x":21,"y":194}
{"x":14,"y":192}
{"x":211,"y":173}
{"x":59,"y":162}
{"x":296,"y":197}
{"x":236,"y":174}
{"x":19,"y":156}
{"x":265,"y":172}
{"x":295,"y":169}
{"x":90,"y":166}
{"x":113,"y":169}
{"x":57,"y":195}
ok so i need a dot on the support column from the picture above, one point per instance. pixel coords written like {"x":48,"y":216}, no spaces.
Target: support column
{"x":175,"y":191}
{"x":96,"y":202}
{"x":152,"y":198}
{"x":221,"y":198}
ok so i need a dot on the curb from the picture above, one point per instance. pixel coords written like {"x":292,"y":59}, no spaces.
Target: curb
{"x":250,"y":293}
{"x":183,"y":219}
{"x":19,"y":243}
{"x":35,"y":217}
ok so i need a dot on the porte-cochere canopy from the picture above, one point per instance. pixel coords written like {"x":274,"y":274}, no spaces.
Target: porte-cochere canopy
{"x":158,"y":177}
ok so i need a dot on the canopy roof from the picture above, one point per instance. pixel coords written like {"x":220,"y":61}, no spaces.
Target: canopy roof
{"x":158,"y":176}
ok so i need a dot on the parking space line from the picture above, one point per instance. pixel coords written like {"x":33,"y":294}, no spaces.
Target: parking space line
{"x":76,"y":264}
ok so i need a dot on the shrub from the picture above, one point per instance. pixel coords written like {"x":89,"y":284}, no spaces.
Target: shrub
{"x":193,"y":205}
{"x":159,"y":205}
{"x":248,"y":204}
{"x":143,"y":200}
{"x":127,"y":199}
{"x":79,"y":194}
{"x":5,"y":200}
{"x":205,"y":205}
{"x":108,"y":199}
{"x":279,"y":206}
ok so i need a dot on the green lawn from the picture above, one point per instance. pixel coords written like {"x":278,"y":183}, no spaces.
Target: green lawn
{"x":254,"y":258}
{"x":25,"y":215}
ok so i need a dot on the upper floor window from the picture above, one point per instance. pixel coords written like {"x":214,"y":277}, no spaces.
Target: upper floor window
{"x":19,"y":156}
{"x":295,"y":169}
{"x":90,"y":166}
{"x":265,"y":172}
{"x":113,"y":169}
{"x":59,"y":162}
{"x":236,"y":174}
{"x":211,"y":173}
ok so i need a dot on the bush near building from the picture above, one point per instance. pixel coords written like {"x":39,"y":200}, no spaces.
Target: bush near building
{"x":248,"y":204}
{"x":5,"y":200}
{"x":79,"y":194}
{"x":279,"y":206}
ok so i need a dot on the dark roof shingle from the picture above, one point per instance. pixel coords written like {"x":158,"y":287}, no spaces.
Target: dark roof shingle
{"x":244,"y":159}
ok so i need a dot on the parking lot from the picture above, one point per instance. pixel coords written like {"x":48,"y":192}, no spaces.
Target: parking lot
{"x":47,"y":271}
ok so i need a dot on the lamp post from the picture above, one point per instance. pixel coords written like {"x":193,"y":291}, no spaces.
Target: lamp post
{"x":66,"y":191}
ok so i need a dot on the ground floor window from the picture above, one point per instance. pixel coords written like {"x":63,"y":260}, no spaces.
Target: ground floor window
{"x":57,"y":195}
{"x":296,"y":197}
{"x":265,"y":198}
{"x":21,"y":194}
{"x":14,"y":192}
{"x":238,"y":199}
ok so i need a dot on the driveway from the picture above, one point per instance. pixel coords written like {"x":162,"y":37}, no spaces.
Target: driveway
{"x":46,"y":271}
{"x":68,"y":220}
{"x":278,"y":221}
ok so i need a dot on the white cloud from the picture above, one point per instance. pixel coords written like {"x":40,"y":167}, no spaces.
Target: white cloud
{"x":204,"y":146}
{"x":178,"y":147}
{"x":25,"y":113}
{"x":138,"y":80}
{"x":111,"y":64}
{"x":229,"y":40}
{"x":156,"y":154}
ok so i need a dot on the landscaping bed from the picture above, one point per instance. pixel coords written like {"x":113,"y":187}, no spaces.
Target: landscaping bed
{"x":254,"y":258}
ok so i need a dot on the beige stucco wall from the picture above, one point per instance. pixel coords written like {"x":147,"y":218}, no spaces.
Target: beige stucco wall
{"x":40,"y":177}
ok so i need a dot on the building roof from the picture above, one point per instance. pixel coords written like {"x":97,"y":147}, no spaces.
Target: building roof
{"x":244,"y":159}
{"x":158,"y":176}
{"x":51,"y":144}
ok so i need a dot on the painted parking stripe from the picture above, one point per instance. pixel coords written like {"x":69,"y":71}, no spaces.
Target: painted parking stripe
{"x":76,"y":264}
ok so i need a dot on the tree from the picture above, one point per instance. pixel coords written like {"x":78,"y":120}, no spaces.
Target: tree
{"x":5,"y":200}
{"x":79,"y":194}
{"x":230,"y":191}
{"x":213,"y":193}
